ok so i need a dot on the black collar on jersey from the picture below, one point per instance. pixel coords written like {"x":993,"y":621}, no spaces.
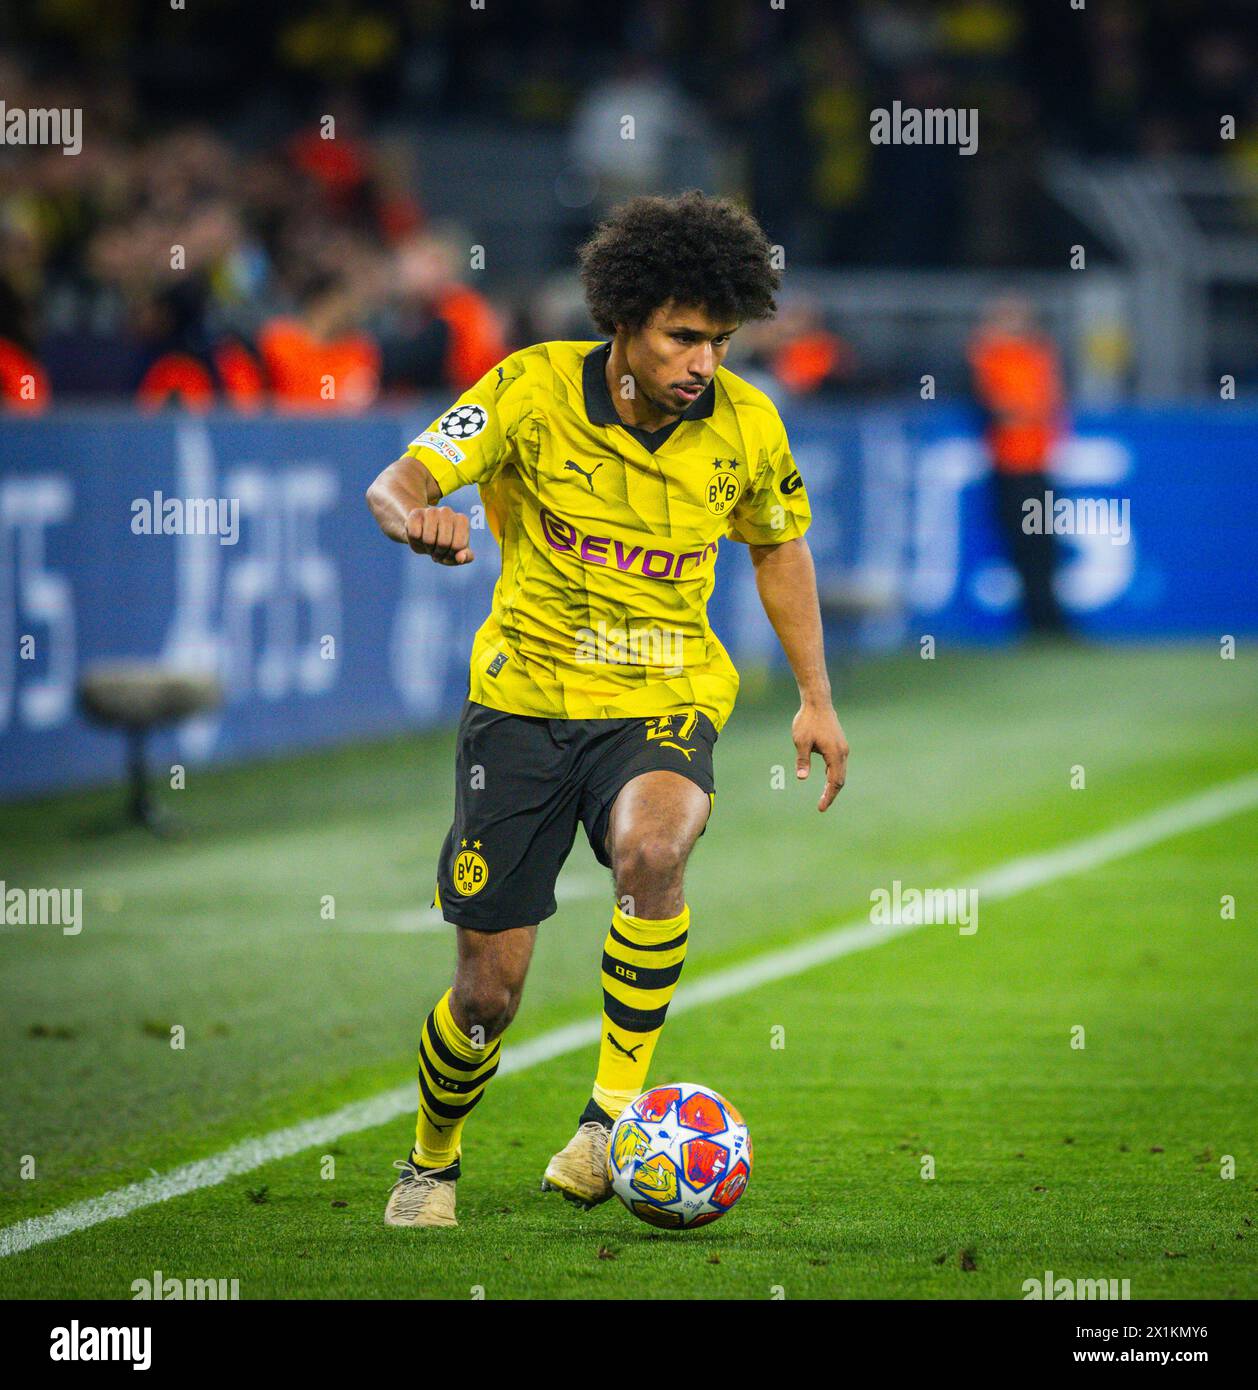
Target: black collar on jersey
{"x":601,"y":411}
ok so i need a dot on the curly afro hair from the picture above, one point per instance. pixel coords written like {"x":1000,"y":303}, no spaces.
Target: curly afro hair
{"x":692,"y":249}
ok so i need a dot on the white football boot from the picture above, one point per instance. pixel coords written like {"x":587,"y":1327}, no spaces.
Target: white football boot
{"x":419,"y":1199}
{"x":579,"y":1169}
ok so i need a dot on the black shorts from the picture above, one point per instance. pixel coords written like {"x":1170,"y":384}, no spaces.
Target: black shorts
{"x":521,"y":785}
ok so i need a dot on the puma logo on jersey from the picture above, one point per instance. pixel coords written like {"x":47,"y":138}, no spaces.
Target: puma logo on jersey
{"x":589,"y":477}
{"x":630,"y":1052}
{"x":668,"y":743}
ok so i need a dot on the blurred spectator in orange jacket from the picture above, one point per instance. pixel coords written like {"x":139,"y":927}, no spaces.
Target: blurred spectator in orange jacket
{"x":24,"y":387}
{"x":225,"y":375}
{"x":446,"y":334}
{"x":796,"y":352}
{"x":320,"y":360}
{"x":1017,"y":383}
{"x":187,"y":365}
{"x":808,"y":358}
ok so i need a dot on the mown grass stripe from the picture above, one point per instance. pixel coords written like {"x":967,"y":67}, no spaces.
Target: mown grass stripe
{"x":1019,"y":875}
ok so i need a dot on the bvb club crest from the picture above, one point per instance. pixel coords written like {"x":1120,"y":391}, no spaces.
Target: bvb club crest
{"x":471,"y":873}
{"x":722,"y":487}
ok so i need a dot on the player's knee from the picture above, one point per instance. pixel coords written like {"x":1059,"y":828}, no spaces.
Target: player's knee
{"x":486,"y":1007}
{"x":649,"y":863}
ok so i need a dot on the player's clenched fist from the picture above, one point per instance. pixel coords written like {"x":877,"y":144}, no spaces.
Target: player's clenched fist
{"x":440,"y":532}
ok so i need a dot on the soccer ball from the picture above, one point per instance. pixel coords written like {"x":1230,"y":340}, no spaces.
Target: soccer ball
{"x":679,"y":1156}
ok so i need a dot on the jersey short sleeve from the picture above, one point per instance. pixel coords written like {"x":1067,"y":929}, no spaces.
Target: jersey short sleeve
{"x":774,"y":508}
{"x":472,"y":440}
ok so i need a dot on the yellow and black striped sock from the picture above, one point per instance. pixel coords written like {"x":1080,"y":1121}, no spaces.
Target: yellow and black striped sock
{"x":642,"y":960}
{"x":453,"y":1074}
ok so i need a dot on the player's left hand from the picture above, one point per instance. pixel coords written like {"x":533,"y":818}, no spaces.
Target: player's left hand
{"x":816,"y":729}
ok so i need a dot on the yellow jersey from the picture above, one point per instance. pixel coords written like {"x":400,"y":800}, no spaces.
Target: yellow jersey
{"x":609,"y":533}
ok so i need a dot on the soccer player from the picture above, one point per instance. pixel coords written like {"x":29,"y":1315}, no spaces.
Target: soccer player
{"x":609,"y":472}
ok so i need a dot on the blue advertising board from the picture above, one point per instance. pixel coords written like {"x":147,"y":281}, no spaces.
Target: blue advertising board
{"x":321,"y":630}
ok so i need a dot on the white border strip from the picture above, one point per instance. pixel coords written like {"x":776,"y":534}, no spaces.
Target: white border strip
{"x":1018,"y":876}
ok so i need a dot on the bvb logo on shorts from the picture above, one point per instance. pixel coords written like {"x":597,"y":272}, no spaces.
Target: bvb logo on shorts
{"x":722,"y":490}
{"x":471,"y":873}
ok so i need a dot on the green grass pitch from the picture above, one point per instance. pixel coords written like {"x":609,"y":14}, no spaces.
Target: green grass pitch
{"x":1100,"y":1162}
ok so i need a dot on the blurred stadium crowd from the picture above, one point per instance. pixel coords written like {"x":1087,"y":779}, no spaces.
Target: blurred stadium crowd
{"x":305,"y":257}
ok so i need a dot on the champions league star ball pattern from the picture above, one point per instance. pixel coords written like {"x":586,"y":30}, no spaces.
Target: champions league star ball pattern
{"x":463,"y":422}
{"x":679,"y":1156}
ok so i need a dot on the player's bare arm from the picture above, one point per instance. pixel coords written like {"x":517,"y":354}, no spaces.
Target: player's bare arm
{"x":402,"y":500}
{"x":787,"y":583}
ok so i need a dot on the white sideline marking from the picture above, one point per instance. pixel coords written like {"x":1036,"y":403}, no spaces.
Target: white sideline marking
{"x":1018,"y":876}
